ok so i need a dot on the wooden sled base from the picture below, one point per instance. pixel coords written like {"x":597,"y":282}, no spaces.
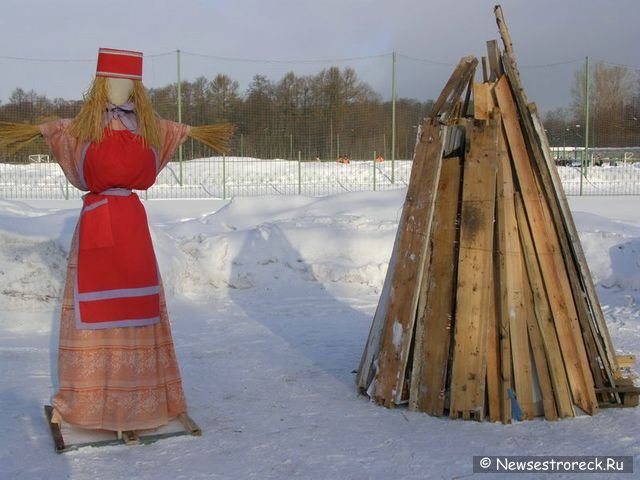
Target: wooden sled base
{"x":628,"y":392}
{"x":67,"y":438}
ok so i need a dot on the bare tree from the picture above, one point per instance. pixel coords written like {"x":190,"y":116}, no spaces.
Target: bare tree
{"x":223,"y":92}
{"x":611,"y":93}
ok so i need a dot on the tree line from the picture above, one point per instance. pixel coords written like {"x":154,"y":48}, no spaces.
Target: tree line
{"x":315,"y":116}
{"x":336,"y":113}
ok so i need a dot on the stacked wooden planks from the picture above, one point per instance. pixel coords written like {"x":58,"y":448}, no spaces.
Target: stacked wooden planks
{"x":488,"y":308}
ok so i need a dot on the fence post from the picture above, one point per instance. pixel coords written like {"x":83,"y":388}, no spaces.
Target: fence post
{"x":224,"y":177}
{"x":66,"y":189}
{"x":179,"y":111}
{"x":393,"y":117}
{"x":374,"y":170}
{"x":299,"y":172}
{"x":242,"y":145}
{"x":585,"y":157}
{"x":331,"y":139}
{"x":384,"y":146}
{"x":587,"y":115}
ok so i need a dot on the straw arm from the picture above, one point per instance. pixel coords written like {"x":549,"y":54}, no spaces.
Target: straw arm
{"x":16,"y":136}
{"x":216,"y":136}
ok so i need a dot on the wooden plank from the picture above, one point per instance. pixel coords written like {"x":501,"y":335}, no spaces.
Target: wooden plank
{"x":551,"y":262}
{"x":510,"y":301}
{"x":626,"y":361}
{"x":485,"y":69}
{"x":189,"y":424}
{"x":367,"y":369}
{"x":542,"y":368}
{"x":585,"y":333}
{"x":56,"y":434}
{"x":455,"y":85}
{"x":495,"y":61}
{"x":535,"y":336}
{"x":544,"y":318}
{"x":571,"y":246}
{"x":590,"y":316}
{"x":601,"y":371}
{"x":512,"y":283}
{"x":504,"y":32}
{"x":483,"y":107}
{"x":468,"y":372}
{"x":493,"y":347}
{"x":506,"y":298}
{"x":482,"y":101}
{"x":573,"y":288}
{"x":521,"y":359}
{"x":626,"y":390}
{"x":467,"y":97}
{"x":456,"y":110}
{"x":63,"y":446}
{"x":622,"y":389}
{"x":130,"y":437}
{"x":631,"y":399}
{"x":467,"y":84}
{"x":413,"y":247}
{"x":433,"y":327}
{"x":628,"y":400}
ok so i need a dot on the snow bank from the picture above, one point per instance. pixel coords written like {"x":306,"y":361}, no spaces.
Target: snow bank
{"x":252,"y":242}
{"x":613,"y":250}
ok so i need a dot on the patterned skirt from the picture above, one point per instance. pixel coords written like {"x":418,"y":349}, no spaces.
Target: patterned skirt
{"x":116,"y":379}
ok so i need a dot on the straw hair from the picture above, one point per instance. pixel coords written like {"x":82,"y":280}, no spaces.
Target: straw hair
{"x":88,"y":126}
{"x":15,"y":136}
{"x":147,"y":120}
{"x":215,"y":136}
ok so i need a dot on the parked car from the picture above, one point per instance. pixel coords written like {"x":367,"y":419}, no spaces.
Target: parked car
{"x":568,"y":162}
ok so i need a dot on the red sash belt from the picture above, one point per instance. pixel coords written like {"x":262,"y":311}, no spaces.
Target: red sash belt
{"x":117,"y":284}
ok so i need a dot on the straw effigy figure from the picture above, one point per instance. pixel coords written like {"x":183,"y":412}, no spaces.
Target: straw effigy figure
{"x":117,"y":368}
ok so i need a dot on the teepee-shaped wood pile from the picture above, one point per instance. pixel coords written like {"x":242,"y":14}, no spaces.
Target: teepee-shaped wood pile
{"x":488,"y":308}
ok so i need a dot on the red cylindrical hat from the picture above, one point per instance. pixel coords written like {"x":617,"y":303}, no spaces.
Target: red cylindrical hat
{"x":119,"y":64}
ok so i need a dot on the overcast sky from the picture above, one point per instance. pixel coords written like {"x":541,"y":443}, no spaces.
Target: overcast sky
{"x":219,"y":36}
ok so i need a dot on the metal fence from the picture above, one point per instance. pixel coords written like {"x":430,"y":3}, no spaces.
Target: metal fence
{"x":296,"y":119}
{"x":226,"y":177}
{"x":222,"y":177}
{"x":598,"y":171}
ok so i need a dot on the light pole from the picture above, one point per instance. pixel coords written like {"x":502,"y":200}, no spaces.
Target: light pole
{"x":583,"y":172}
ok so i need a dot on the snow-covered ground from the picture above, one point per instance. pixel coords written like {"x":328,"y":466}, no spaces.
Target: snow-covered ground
{"x":271,"y":300}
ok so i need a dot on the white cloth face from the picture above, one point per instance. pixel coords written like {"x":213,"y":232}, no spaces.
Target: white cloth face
{"x":119,"y":90}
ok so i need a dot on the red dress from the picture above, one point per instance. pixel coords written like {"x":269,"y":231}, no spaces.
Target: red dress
{"x":120,"y":377}
{"x":118,"y":282}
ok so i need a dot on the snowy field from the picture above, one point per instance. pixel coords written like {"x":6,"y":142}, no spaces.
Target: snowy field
{"x":271,"y":300}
